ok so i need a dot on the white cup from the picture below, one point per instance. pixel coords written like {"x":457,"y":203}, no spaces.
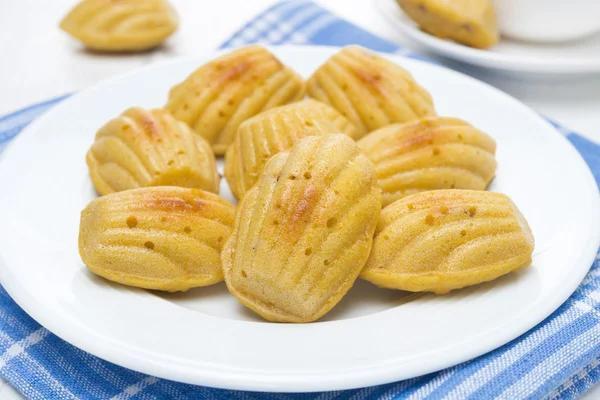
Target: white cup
{"x":548,"y":20}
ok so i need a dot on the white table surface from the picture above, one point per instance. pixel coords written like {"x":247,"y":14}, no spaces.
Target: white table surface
{"x":38,"y":61}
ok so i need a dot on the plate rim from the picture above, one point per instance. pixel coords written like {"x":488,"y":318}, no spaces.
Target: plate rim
{"x":245,"y":381}
{"x":483,"y":58}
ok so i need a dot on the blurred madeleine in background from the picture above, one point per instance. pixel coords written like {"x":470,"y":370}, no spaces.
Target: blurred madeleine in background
{"x":128,"y":25}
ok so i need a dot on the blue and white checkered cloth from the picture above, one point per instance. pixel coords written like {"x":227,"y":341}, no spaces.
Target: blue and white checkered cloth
{"x":558,"y":359}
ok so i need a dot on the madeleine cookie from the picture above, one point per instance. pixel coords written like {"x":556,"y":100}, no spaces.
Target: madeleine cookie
{"x":304,"y":232}
{"x":164,"y":238}
{"x":143,"y":148}
{"x":470,"y":22}
{"x":274,"y":131}
{"x":369,"y":90}
{"x":428,"y":154}
{"x":216,"y":98}
{"x":124,"y":25}
{"x":448,"y":239}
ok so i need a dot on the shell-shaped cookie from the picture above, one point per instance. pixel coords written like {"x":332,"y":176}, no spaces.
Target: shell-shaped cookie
{"x":274,"y":131}
{"x":220,"y":95}
{"x":164,"y":238}
{"x":124,"y":25}
{"x":470,"y":22}
{"x":432,"y":153}
{"x":369,"y":90}
{"x":143,"y":148}
{"x":447,"y":239}
{"x":303,"y":233}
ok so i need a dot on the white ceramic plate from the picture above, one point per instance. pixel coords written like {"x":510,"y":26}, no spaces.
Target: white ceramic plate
{"x":206,"y":337}
{"x":546,"y":59}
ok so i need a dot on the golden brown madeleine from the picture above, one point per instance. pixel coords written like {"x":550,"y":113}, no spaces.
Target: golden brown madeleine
{"x":470,"y":22}
{"x":432,"y":153}
{"x":216,"y":98}
{"x":274,"y":131}
{"x":150,"y":148}
{"x":369,"y":90}
{"x":123,"y":25}
{"x":303,"y":233}
{"x":164,"y":238}
{"x":447,"y":239}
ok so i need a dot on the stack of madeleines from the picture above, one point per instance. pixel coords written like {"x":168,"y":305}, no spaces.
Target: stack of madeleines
{"x":348,"y":174}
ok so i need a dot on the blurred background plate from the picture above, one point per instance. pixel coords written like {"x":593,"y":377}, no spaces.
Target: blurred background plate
{"x":205,"y":337}
{"x":580,"y":57}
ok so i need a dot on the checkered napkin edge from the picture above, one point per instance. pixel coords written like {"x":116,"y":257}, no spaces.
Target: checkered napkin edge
{"x":558,"y":359}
